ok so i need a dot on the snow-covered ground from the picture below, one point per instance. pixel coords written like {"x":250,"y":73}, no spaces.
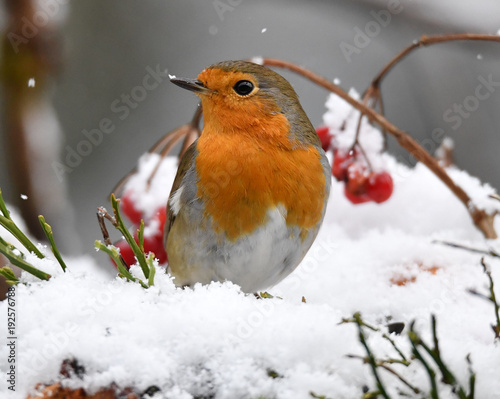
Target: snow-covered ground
{"x":215,"y":341}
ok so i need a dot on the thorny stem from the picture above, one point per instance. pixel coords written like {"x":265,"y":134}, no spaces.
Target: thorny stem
{"x":482,"y":220}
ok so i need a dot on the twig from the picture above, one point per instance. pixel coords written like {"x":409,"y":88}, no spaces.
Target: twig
{"x":403,"y":380}
{"x":482,"y":220}
{"x":104,"y":229}
{"x":492,"y":298}
{"x":466,"y":248}
{"x":105,"y":214}
{"x":47,"y":229}
{"x":164,"y":145}
{"x":426,"y":41}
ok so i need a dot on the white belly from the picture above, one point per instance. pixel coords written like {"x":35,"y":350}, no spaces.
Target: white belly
{"x":254,"y":262}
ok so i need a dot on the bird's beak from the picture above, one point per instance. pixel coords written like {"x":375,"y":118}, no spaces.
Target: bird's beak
{"x":193,"y":85}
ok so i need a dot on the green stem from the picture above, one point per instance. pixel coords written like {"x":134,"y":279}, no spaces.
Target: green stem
{"x":123,"y":229}
{"x":448,"y":377}
{"x":140,"y":235}
{"x":493,"y":298}
{"x":415,"y":341}
{"x":21,"y":263}
{"x":472,"y":379}
{"x":10,"y":226}
{"x":3,"y":207}
{"x":10,"y":277}
{"x":115,"y":256}
{"x":47,"y":229}
{"x":405,"y":360}
{"x":371,"y":358}
{"x":152,"y":269}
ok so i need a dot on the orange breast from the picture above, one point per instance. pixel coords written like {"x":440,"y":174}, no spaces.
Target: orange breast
{"x":243,"y":174}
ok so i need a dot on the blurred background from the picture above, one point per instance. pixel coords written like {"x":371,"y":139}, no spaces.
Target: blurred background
{"x":84,"y":90}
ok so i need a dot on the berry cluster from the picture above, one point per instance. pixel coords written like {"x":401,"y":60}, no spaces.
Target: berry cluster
{"x":361,"y":183}
{"x":153,"y":231}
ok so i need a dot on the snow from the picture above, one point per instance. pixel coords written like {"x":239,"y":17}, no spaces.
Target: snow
{"x":263,"y":30}
{"x":149,"y":198}
{"x":215,"y":340}
{"x":258,"y":60}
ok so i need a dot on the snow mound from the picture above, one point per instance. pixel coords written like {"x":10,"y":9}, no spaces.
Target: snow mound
{"x":215,"y":341}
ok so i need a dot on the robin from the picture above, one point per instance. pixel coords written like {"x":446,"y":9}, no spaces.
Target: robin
{"x":250,"y":193}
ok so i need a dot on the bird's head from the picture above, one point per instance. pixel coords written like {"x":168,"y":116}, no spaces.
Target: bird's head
{"x":241,"y":95}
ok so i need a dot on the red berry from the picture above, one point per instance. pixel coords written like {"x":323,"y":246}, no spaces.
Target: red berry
{"x":129,"y":209}
{"x":325,"y":136}
{"x":161,"y":216}
{"x":379,"y":187}
{"x":356,"y":198}
{"x":126,"y":252}
{"x":341,"y":161}
{"x":356,"y":180}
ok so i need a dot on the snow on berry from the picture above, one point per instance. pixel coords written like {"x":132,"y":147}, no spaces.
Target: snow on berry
{"x":128,"y":207}
{"x":149,"y":197}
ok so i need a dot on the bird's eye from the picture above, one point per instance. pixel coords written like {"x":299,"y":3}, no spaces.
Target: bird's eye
{"x":243,"y":87}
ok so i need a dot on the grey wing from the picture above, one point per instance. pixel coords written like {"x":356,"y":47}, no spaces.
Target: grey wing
{"x":187,"y":162}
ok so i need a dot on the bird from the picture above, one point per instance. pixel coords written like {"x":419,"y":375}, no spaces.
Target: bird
{"x":250,"y":193}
